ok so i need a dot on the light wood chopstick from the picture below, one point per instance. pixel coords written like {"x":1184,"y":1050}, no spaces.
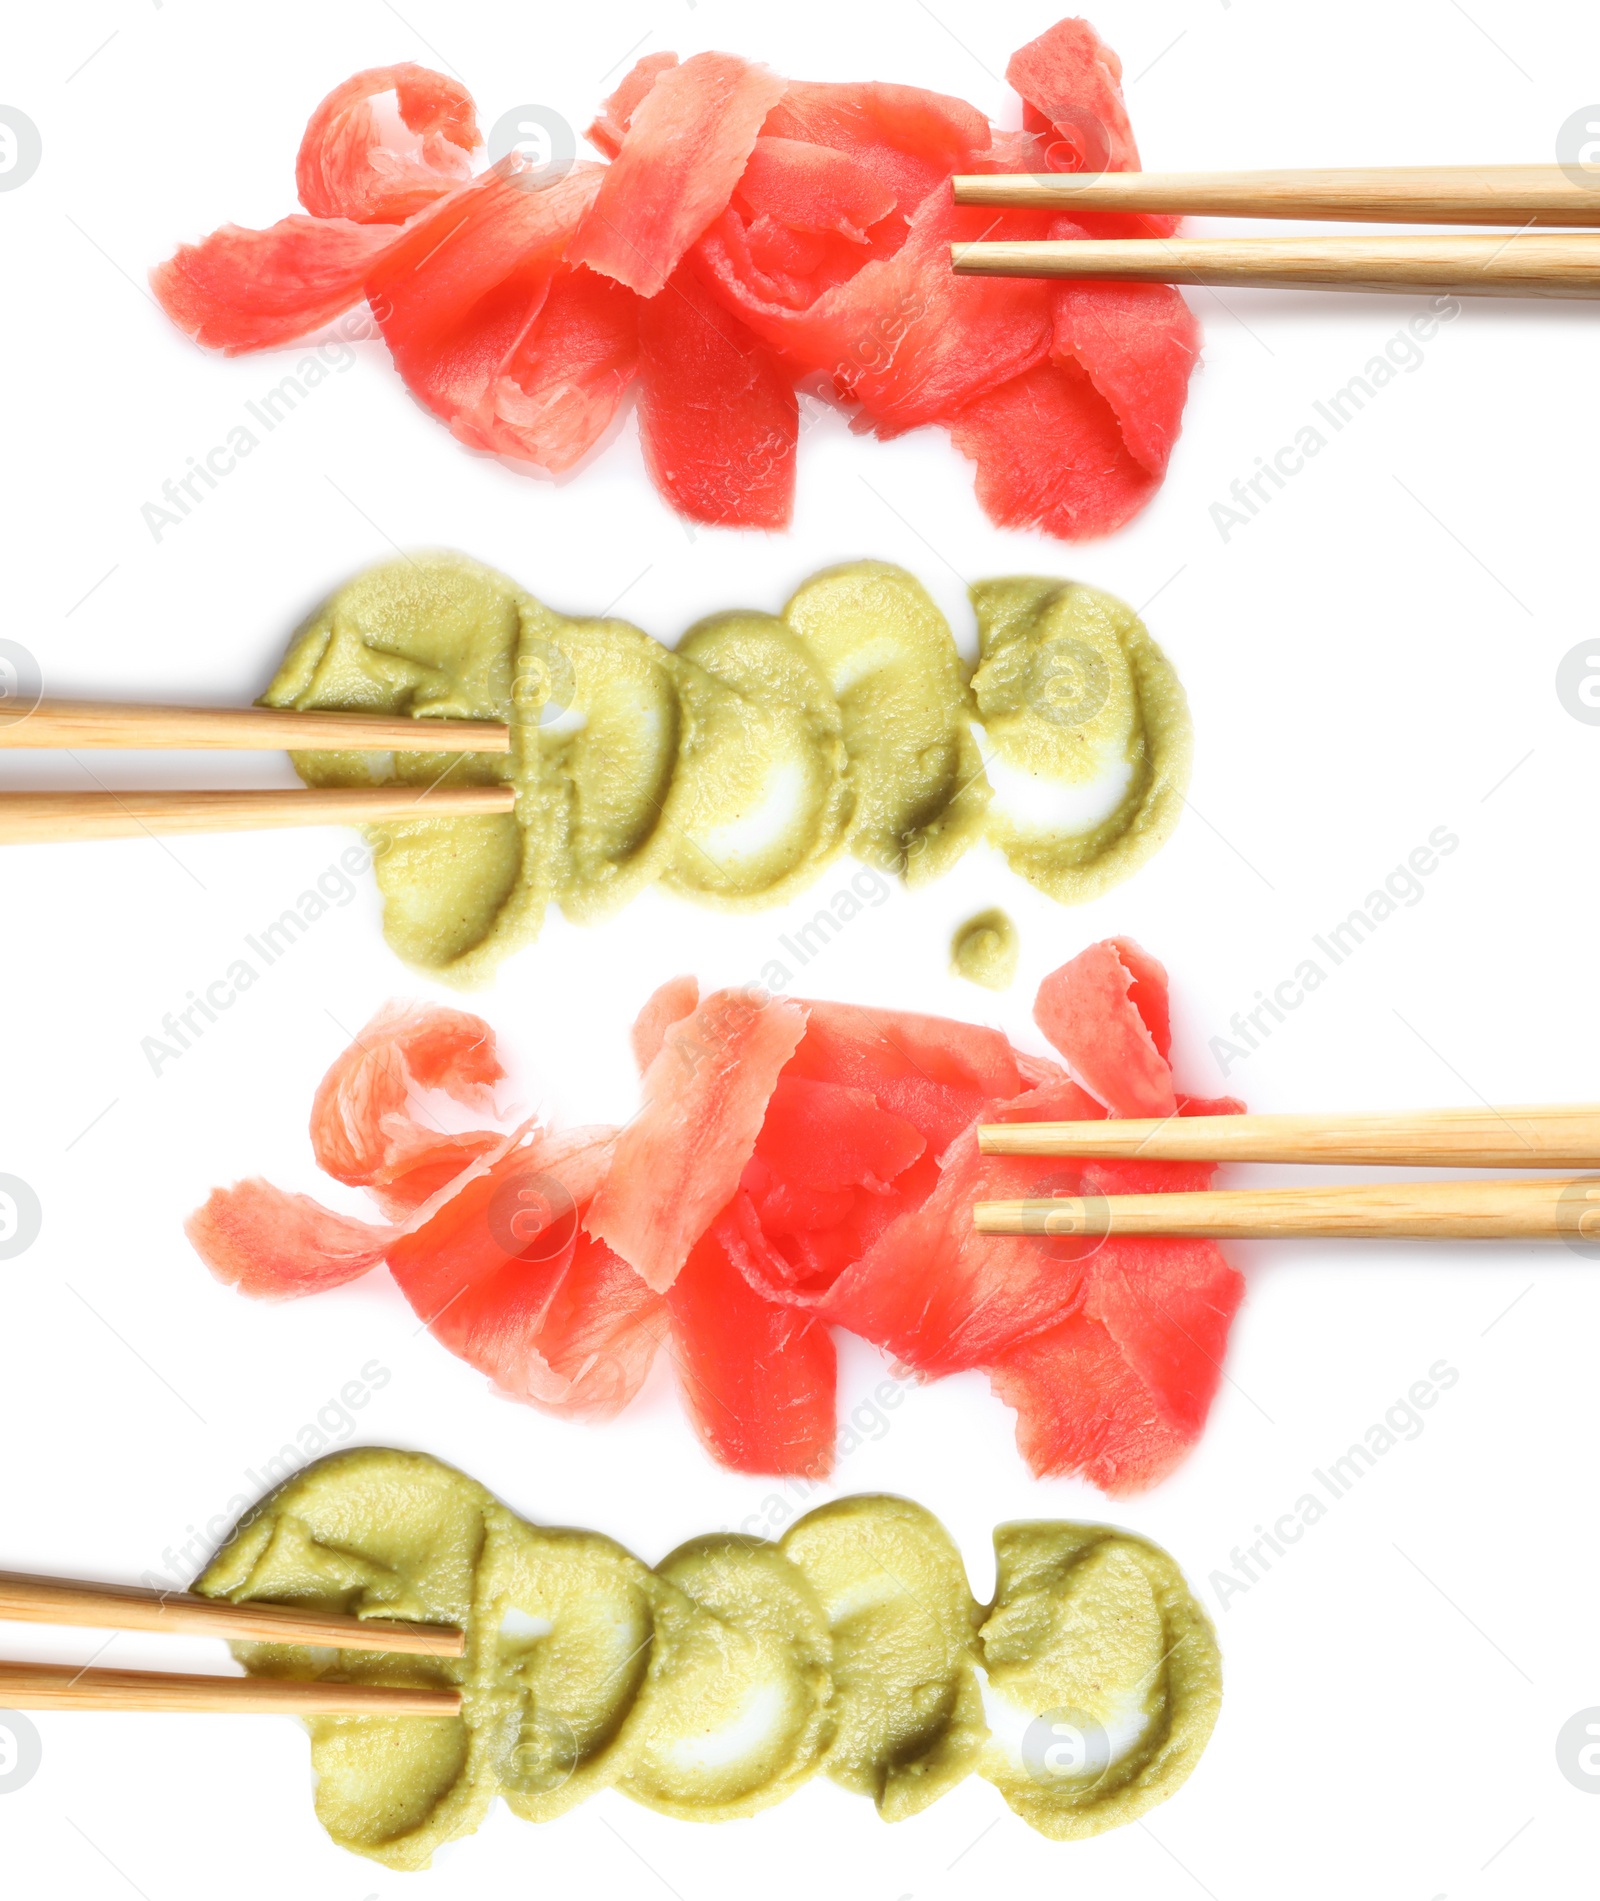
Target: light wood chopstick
{"x":37,"y":818}
{"x":1410,"y":194}
{"x":64,"y":1686}
{"x":30,"y":1600}
{"x":104,"y":723}
{"x":1551,"y":1208}
{"x":1564,"y":1135}
{"x":1522,"y":265}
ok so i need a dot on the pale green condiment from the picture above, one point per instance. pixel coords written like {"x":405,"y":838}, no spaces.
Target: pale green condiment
{"x":736,"y":768}
{"x":717,"y":1683}
{"x":985,"y":950}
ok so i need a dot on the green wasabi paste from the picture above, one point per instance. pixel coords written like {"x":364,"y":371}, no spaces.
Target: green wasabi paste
{"x":736,"y":768}
{"x":716,"y":1683}
{"x":985,"y":950}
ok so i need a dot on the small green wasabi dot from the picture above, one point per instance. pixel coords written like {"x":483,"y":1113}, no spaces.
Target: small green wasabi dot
{"x":984,"y":950}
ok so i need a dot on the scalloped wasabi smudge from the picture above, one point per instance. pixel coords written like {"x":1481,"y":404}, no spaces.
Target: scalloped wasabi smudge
{"x":716,"y":1683}
{"x":734,"y":769}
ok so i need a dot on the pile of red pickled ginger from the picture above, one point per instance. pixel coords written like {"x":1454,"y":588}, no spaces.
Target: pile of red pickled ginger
{"x":796,"y":1166}
{"x":750,"y":235}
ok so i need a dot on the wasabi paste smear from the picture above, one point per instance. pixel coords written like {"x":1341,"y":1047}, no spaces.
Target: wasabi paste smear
{"x":735,"y":769}
{"x":716,"y":1683}
{"x":985,"y":950}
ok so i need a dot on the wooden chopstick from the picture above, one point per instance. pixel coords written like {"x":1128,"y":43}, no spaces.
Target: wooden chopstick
{"x":1565,"y":1135}
{"x":1522,"y":265}
{"x":30,"y":1600}
{"x":35,"y":818}
{"x":102,"y":723}
{"x":1519,"y":195}
{"x":1547,"y":1209}
{"x":64,"y":1686}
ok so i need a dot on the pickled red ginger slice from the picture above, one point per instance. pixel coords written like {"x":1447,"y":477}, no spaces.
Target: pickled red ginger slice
{"x":1119,"y":1391}
{"x":386,"y":143}
{"x":505,"y":1277}
{"x":459,"y":289}
{"x":273,"y":1245}
{"x":828,"y":1138}
{"x":678,"y":1163}
{"x":1138,"y":345}
{"x":907,"y":138}
{"x":758,"y":1378}
{"x":565,"y":378}
{"x":718,"y":419}
{"x":1071,"y":86}
{"x":941,"y":1296}
{"x":682,"y":154}
{"x":363,"y":1129}
{"x":934,"y":1072}
{"x":1107,"y":1013}
{"x":903,"y":336}
{"x":240,"y":290}
{"x":677,"y":998}
{"x":812,"y":188}
{"x":832,"y":1170}
{"x":1050,"y":455}
{"x":611,"y":123}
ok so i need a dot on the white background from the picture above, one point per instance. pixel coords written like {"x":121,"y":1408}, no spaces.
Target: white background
{"x":1371,"y":658}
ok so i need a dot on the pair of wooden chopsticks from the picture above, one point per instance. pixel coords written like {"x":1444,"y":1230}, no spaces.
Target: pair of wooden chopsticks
{"x":31,"y":818}
{"x":1553,"y":1207}
{"x":60,"y":1686}
{"x":1529,"y":263}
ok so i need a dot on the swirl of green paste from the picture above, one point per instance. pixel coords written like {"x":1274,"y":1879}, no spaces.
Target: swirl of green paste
{"x":734,"y":769}
{"x":714,"y":1684}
